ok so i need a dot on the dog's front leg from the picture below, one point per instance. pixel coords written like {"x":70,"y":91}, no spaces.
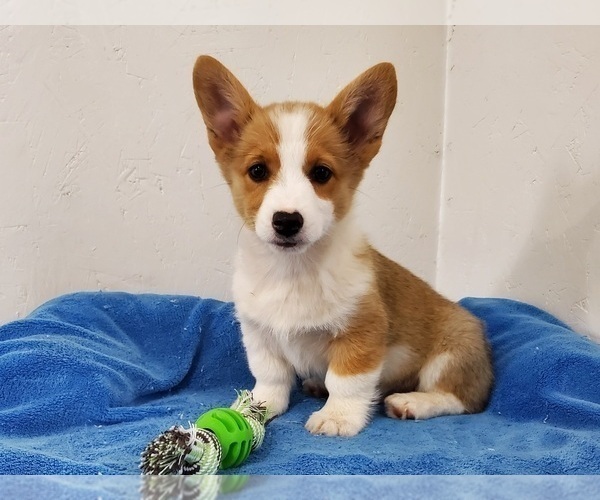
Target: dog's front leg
{"x":274,"y":375}
{"x":349,"y":405}
{"x":355,"y":359}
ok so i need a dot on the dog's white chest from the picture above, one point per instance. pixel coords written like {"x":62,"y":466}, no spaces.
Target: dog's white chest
{"x":291,"y":294}
{"x":283,"y":306}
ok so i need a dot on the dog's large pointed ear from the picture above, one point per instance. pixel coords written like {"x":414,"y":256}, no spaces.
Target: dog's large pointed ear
{"x":363,"y":107}
{"x":225,"y":104}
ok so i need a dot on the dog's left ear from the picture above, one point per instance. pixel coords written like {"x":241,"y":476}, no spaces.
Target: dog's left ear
{"x":363,"y":107}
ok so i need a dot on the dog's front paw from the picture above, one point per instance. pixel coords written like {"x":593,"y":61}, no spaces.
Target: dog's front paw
{"x":276,"y":400}
{"x":332,"y":423}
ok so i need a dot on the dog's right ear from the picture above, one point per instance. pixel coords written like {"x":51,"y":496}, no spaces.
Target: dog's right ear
{"x":225,"y":104}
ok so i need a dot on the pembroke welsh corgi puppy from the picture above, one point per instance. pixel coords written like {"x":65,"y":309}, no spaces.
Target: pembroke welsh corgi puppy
{"x":312,"y":297}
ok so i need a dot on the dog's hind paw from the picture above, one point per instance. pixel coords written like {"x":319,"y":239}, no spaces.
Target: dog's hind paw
{"x":422,"y":405}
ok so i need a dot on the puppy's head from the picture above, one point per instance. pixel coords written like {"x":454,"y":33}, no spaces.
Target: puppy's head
{"x":293,"y":167}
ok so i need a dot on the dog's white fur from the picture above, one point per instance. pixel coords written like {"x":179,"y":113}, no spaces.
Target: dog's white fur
{"x":289,"y":306}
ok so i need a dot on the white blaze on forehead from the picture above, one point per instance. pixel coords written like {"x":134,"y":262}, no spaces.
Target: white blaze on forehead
{"x":292,"y":127}
{"x":291,"y":184}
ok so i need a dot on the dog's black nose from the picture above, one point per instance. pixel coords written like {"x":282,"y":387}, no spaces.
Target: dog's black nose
{"x":287,"y":224}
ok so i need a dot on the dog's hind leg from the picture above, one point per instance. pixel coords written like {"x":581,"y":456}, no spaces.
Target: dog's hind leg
{"x":455,"y":379}
{"x":429,"y":400}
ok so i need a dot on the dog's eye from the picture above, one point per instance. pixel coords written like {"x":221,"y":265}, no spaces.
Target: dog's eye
{"x":320,"y":174}
{"x":258,"y":172}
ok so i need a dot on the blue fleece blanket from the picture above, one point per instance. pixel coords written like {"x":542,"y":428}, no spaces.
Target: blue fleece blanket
{"x":88,"y":379}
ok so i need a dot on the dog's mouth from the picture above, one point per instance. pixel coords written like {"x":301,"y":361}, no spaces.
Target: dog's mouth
{"x":286,"y":244}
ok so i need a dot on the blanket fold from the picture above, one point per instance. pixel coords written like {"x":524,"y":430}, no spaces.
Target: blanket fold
{"x":88,"y":379}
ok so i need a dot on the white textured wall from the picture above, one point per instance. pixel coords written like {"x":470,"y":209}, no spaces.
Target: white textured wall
{"x":520,"y":214}
{"x":107,"y":181}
